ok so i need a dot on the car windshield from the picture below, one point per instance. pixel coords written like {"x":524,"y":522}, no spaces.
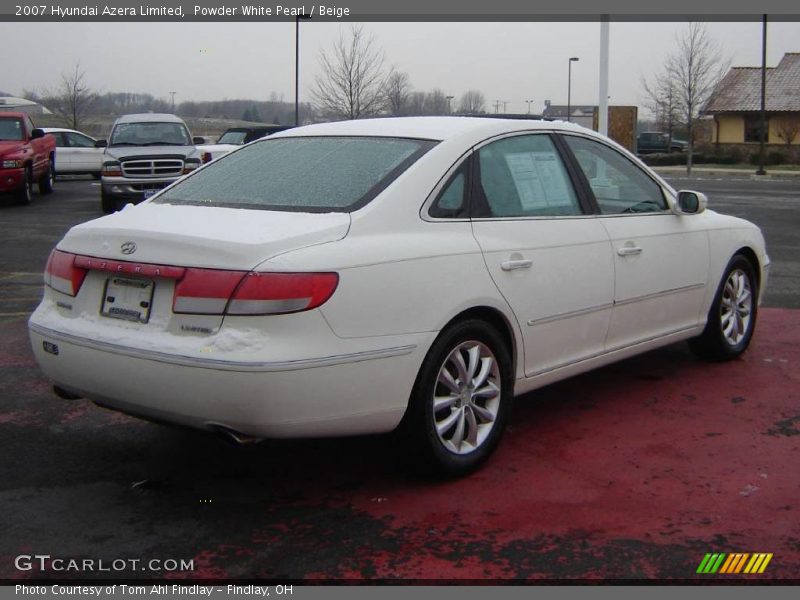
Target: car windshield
{"x":150,"y":134}
{"x":11,"y":129}
{"x":232,"y":137}
{"x":306,"y":174}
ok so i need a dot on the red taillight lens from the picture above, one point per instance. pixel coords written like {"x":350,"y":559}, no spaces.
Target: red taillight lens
{"x":214,"y":292}
{"x":62,"y":275}
{"x":206,"y":157}
{"x":277,"y":293}
{"x":205,"y":291}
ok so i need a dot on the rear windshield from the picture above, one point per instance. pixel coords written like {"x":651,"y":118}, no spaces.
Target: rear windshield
{"x":308,"y":174}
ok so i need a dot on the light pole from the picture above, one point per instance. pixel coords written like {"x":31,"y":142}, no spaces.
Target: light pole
{"x":529,"y":102}
{"x":569,"y":87}
{"x":449,"y":98}
{"x":297,"y":66}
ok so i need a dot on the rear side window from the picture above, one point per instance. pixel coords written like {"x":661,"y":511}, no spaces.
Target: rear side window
{"x":523,"y":176}
{"x":308,"y":174}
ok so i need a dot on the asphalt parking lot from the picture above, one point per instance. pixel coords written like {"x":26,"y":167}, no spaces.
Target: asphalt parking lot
{"x":633,"y":471}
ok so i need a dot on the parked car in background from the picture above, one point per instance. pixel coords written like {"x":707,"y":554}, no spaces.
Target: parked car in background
{"x":76,"y":153}
{"x":27,"y":155}
{"x":652,"y":142}
{"x":355,"y":277}
{"x":235,"y":137}
{"x":144,"y":154}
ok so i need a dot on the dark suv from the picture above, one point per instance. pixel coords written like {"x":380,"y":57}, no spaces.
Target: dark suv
{"x":651,"y":142}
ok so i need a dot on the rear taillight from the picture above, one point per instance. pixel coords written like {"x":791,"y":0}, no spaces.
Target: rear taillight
{"x":206,"y":157}
{"x":208,"y":291}
{"x":62,"y":274}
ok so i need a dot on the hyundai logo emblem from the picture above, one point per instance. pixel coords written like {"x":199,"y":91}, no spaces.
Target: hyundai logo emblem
{"x":128,"y":248}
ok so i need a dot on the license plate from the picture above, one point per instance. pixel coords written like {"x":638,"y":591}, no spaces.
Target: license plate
{"x":150,"y":193}
{"x":128,"y":299}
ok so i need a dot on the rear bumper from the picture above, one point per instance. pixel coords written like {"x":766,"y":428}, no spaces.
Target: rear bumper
{"x":351,"y":393}
{"x":11,"y":179}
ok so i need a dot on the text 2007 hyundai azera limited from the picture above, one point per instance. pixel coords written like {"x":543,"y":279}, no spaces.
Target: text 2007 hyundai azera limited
{"x":348,"y":278}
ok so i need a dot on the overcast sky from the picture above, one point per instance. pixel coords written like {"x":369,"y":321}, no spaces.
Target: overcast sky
{"x":510,"y":62}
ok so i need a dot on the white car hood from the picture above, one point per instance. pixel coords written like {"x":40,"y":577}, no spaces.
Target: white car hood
{"x":211,"y":237}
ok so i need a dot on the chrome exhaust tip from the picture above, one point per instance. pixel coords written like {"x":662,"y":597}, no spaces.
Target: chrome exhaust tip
{"x":231,"y":435}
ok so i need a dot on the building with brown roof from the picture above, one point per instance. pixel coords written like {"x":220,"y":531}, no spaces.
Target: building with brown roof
{"x":736,"y":105}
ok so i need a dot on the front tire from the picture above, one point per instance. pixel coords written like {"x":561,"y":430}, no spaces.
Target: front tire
{"x":107,"y":203}
{"x":47,"y":180}
{"x":25,"y":193}
{"x":732,"y":317}
{"x":461,"y":399}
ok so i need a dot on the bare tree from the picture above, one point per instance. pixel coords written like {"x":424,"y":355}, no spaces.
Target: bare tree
{"x":788,"y":128}
{"x":661,"y":97}
{"x":695,"y":69}
{"x":73,"y":99}
{"x":472,"y":102}
{"x":353,"y":79}
{"x":398,"y":92}
{"x":436,"y":103}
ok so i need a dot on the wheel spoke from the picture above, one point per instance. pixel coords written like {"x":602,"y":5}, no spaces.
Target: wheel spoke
{"x":486,"y":367}
{"x":472,"y":427}
{"x":446,"y":424}
{"x":446,"y":379}
{"x":483,"y":414}
{"x":490,"y":390}
{"x":442,"y":402}
{"x":474,"y":354}
{"x":461,"y":367}
{"x":458,"y":434}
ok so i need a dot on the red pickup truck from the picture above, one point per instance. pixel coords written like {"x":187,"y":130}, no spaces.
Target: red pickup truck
{"x":27,"y":155}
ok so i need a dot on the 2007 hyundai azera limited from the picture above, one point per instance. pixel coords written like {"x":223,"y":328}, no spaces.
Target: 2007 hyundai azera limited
{"x":353,"y":277}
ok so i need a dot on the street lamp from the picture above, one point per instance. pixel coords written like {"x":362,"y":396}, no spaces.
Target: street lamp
{"x":449,"y":110}
{"x":569,"y":87}
{"x":297,"y":66}
{"x":529,"y":102}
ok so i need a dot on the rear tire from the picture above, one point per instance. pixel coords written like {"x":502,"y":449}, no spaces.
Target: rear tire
{"x":25,"y":194}
{"x":107,"y":203}
{"x":461,"y":400}
{"x":732,"y":317}
{"x":47,"y":180}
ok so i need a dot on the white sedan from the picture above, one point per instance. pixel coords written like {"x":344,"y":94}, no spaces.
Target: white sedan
{"x":355,"y":277}
{"x":75,"y":152}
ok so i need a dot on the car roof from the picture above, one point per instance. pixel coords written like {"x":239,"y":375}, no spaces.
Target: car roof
{"x":149,"y":118}
{"x":431,"y":128}
{"x":57,"y":129}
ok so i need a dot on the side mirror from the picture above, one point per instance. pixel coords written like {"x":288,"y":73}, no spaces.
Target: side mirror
{"x":36,"y":134}
{"x":101,"y":144}
{"x":691,"y":202}
{"x":198,"y":140}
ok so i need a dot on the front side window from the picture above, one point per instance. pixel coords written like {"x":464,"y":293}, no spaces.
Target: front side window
{"x":76,"y":140}
{"x":150,"y":134}
{"x":308,"y":174}
{"x":619,"y":186}
{"x":523,"y":176}
{"x":11,"y":130}
{"x":232,"y":137}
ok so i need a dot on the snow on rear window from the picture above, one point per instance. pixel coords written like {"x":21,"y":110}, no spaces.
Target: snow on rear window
{"x":309,"y":174}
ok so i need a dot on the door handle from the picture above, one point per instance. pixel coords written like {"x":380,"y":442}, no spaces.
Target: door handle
{"x":629,"y":250}
{"x":510,"y":265}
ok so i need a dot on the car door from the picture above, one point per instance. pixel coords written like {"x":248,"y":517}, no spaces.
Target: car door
{"x":549,"y":258}
{"x":660,"y":258}
{"x":62,"y":152}
{"x":84,"y":157}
